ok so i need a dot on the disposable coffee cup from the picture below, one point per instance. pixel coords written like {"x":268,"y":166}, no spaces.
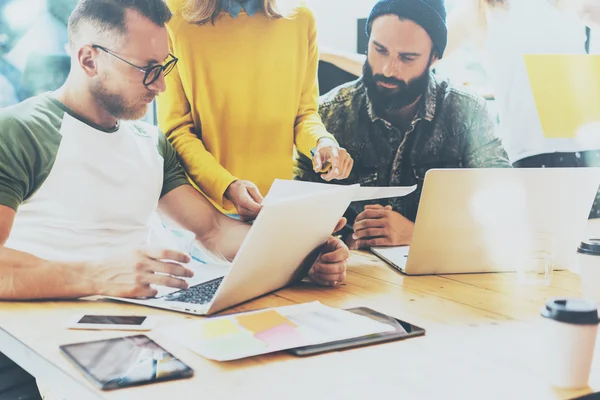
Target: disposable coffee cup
{"x":570,"y":330}
{"x":588,"y":257}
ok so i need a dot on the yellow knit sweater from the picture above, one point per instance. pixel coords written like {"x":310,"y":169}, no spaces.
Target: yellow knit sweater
{"x":242,"y":95}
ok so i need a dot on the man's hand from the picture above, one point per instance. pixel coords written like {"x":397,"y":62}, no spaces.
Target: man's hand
{"x":330,"y":267}
{"x":132,"y":275}
{"x":380,"y":226}
{"x":328,"y":152}
{"x":246,"y":198}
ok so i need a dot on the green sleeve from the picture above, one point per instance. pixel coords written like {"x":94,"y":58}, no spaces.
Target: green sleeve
{"x":20,"y":161}
{"x":29,"y":141}
{"x":14,"y":176}
{"x":174,"y":175}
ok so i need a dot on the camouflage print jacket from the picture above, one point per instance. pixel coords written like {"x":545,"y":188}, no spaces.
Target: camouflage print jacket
{"x":451,"y":129}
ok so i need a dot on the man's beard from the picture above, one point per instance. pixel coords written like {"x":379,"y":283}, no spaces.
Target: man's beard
{"x":116,"y":105}
{"x":392,"y":100}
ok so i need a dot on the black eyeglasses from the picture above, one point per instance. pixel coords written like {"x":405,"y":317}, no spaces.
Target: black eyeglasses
{"x":152,"y":73}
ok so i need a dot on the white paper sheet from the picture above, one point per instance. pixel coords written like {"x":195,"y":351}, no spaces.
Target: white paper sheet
{"x":287,"y":189}
{"x":373,"y":193}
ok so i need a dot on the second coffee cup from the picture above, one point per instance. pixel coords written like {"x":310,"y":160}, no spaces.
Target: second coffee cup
{"x":571,"y":329}
{"x":589,"y":268}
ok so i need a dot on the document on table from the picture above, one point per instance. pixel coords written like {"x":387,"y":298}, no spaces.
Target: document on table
{"x":265,"y":331}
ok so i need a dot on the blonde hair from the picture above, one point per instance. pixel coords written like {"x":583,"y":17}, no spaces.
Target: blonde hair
{"x":201,"y":12}
{"x":497,"y":3}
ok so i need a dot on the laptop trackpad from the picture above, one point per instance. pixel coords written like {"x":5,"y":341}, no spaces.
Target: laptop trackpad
{"x":202,"y":273}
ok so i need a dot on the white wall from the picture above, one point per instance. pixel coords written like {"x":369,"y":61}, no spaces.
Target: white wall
{"x":336,"y":21}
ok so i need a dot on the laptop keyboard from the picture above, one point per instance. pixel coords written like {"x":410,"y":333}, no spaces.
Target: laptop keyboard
{"x":199,"y":294}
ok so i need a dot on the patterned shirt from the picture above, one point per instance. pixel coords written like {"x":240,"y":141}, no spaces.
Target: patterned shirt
{"x":451,"y":129}
{"x":234,"y":7}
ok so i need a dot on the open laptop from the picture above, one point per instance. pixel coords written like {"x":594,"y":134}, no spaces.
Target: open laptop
{"x":483,"y":220}
{"x":297,"y":218}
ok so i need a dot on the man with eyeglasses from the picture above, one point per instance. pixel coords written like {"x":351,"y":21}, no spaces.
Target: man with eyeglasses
{"x":80,"y":180}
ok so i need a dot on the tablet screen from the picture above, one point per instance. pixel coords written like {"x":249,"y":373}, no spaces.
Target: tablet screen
{"x":402,"y":330}
{"x":399,"y":326}
{"x":125,"y":361}
{"x":112,"y":320}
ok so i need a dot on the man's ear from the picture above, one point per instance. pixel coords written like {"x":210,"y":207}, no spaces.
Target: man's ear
{"x":434,"y":57}
{"x":87,"y":60}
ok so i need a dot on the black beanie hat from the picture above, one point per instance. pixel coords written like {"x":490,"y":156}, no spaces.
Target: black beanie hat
{"x":430,"y":14}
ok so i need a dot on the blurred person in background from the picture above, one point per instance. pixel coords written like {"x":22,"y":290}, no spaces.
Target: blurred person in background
{"x":503,"y":31}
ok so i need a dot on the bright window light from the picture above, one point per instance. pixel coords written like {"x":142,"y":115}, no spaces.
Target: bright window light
{"x":20,"y":14}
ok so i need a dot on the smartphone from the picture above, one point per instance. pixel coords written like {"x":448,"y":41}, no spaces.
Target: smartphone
{"x":125,"y":361}
{"x":402,"y":330}
{"x":112,"y":322}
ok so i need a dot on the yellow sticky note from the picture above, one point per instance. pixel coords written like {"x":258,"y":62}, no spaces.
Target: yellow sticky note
{"x":263,"y":321}
{"x":218,"y":327}
{"x":566,"y":90}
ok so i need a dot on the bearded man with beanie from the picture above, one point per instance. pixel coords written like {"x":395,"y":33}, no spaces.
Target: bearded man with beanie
{"x":399,"y":120}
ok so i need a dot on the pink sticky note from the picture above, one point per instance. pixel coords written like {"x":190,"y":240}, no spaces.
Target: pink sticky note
{"x":282,"y":336}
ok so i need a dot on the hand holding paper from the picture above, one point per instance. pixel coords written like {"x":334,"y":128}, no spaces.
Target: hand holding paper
{"x":330,"y":267}
{"x":246,"y":198}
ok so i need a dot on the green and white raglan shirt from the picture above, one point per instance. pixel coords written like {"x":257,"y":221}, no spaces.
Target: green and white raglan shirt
{"x":81,"y":192}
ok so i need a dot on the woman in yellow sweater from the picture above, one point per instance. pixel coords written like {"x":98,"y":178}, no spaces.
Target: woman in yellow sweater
{"x":242,"y":95}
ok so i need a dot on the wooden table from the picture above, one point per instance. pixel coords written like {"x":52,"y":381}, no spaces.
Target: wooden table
{"x":484,"y":341}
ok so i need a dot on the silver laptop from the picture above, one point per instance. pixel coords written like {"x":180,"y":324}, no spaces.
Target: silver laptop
{"x":483,"y":220}
{"x":297,"y":218}
{"x":281,"y":246}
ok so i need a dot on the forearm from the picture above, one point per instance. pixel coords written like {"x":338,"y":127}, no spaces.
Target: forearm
{"x":24,"y":276}
{"x":308,"y":127}
{"x":175,"y":119}
{"x":202,"y":167}
{"x":217,"y":233}
{"x":226,"y":238}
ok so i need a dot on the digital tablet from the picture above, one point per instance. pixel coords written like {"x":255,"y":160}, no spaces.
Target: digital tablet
{"x":402,"y":330}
